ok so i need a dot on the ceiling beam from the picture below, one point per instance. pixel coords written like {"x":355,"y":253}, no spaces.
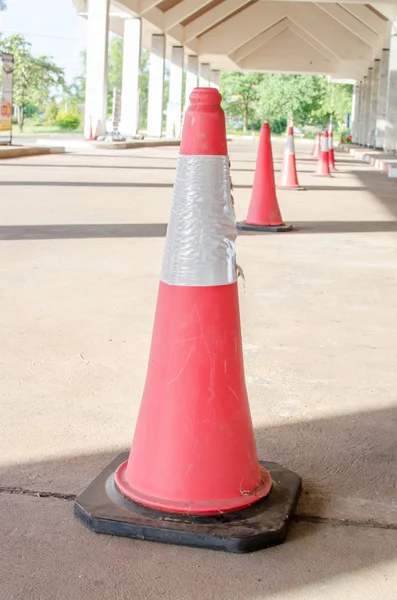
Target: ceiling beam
{"x":182,"y":11}
{"x":329,"y":32}
{"x":212,"y":17}
{"x":128,"y":6}
{"x":146,"y":5}
{"x":276,"y":56}
{"x":260,"y":40}
{"x":241,"y":28}
{"x":368,"y":17}
{"x":352,"y":23}
{"x":116,"y":25}
{"x":387,"y":10}
{"x":314,"y":43}
{"x":263,"y":39}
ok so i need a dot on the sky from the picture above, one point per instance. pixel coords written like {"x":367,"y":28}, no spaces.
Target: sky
{"x":56,"y":32}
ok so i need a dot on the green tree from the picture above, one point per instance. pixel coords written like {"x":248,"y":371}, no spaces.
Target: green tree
{"x":276,"y":97}
{"x":76,"y":91}
{"x":115,"y":68}
{"x":51,"y":112}
{"x":336,"y":102}
{"x":240,"y":93}
{"x":290,"y":96}
{"x":34,"y":78}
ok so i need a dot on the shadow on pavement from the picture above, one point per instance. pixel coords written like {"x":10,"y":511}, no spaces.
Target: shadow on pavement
{"x":82,"y":231}
{"x":157,"y":230}
{"x":100,"y":184}
{"x":349,"y":470}
{"x":344,"y":226}
{"x":101,"y":167}
{"x":149,"y":184}
{"x":337,"y":160}
{"x":332,"y":188}
{"x":333,"y":227}
{"x":381,"y":186}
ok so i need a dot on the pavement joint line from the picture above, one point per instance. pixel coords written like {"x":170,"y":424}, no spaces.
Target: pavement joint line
{"x":298,"y":518}
{"x":369,"y":524}
{"x":26,"y":492}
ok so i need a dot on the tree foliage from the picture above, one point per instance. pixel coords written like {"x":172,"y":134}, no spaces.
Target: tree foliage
{"x":289,"y":96}
{"x":336,"y":101}
{"x":115,"y":68}
{"x":254,"y":97}
{"x":35,"y":79}
{"x":240,"y":93}
{"x":76,"y":91}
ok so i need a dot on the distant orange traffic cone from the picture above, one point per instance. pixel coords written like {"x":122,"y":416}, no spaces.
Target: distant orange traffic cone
{"x":264,"y":212}
{"x":193,"y":454}
{"x":289,"y":177}
{"x":317,"y":146}
{"x":323,"y":161}
{"x":91,"y":134}
{"x":331,"y":151}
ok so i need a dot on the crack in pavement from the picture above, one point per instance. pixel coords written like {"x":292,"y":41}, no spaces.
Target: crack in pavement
{"x":25,"y":492}
{"x":370,"y":523}
{"x":298,"y":518}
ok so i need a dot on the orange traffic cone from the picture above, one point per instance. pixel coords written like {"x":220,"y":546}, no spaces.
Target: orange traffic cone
{"x":331,"y":151}
{"x":91,"y":134}
{"x":323,"y":161}
{"x":193,"y":457}
{"x":264,"y":213}
{"x":317,"y":146}
{"x":289,"y":177}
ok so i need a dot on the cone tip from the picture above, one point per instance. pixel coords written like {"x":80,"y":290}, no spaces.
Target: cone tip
{"x":204,"y":130}
{"x":326,"y":134}
{"x":205,"y":95}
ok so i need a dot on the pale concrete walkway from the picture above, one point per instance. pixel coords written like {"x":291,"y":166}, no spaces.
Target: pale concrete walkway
{"x":81,"y":240}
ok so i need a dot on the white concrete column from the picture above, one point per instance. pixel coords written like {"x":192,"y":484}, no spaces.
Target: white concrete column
{"x":380,"y":128}
{"x":373,"y":103}
{"x":215,"y":79}
{"x":129,"y":122}
{"x":174,"y":109}
{"x":97,"y":68}
{"x":364,"y":114}
{"x":359,"y":113}
{"x":368,"y":94}
{"x":355,"y":112}
{"x":191,"y":77}
{"x":205,"y":75}
{"x":362,"y":110}
{"x":156,"y":86}
{"x":391,"y":113}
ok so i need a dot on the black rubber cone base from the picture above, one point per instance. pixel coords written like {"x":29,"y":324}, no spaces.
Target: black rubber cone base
{"x":102,"y":508}
{"x":243,"y":226}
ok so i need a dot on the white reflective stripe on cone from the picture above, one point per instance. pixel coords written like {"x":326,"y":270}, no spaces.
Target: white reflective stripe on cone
{"x":290,"y":145}
{"x":330,"y":142}
{"x":200,"y":246}
{"x":324,"y":144}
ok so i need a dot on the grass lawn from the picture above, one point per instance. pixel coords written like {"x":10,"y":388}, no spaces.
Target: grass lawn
{"x":31,"y":128}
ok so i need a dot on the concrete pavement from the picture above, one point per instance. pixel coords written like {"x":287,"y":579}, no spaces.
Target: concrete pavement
{"x":81,"y":241}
